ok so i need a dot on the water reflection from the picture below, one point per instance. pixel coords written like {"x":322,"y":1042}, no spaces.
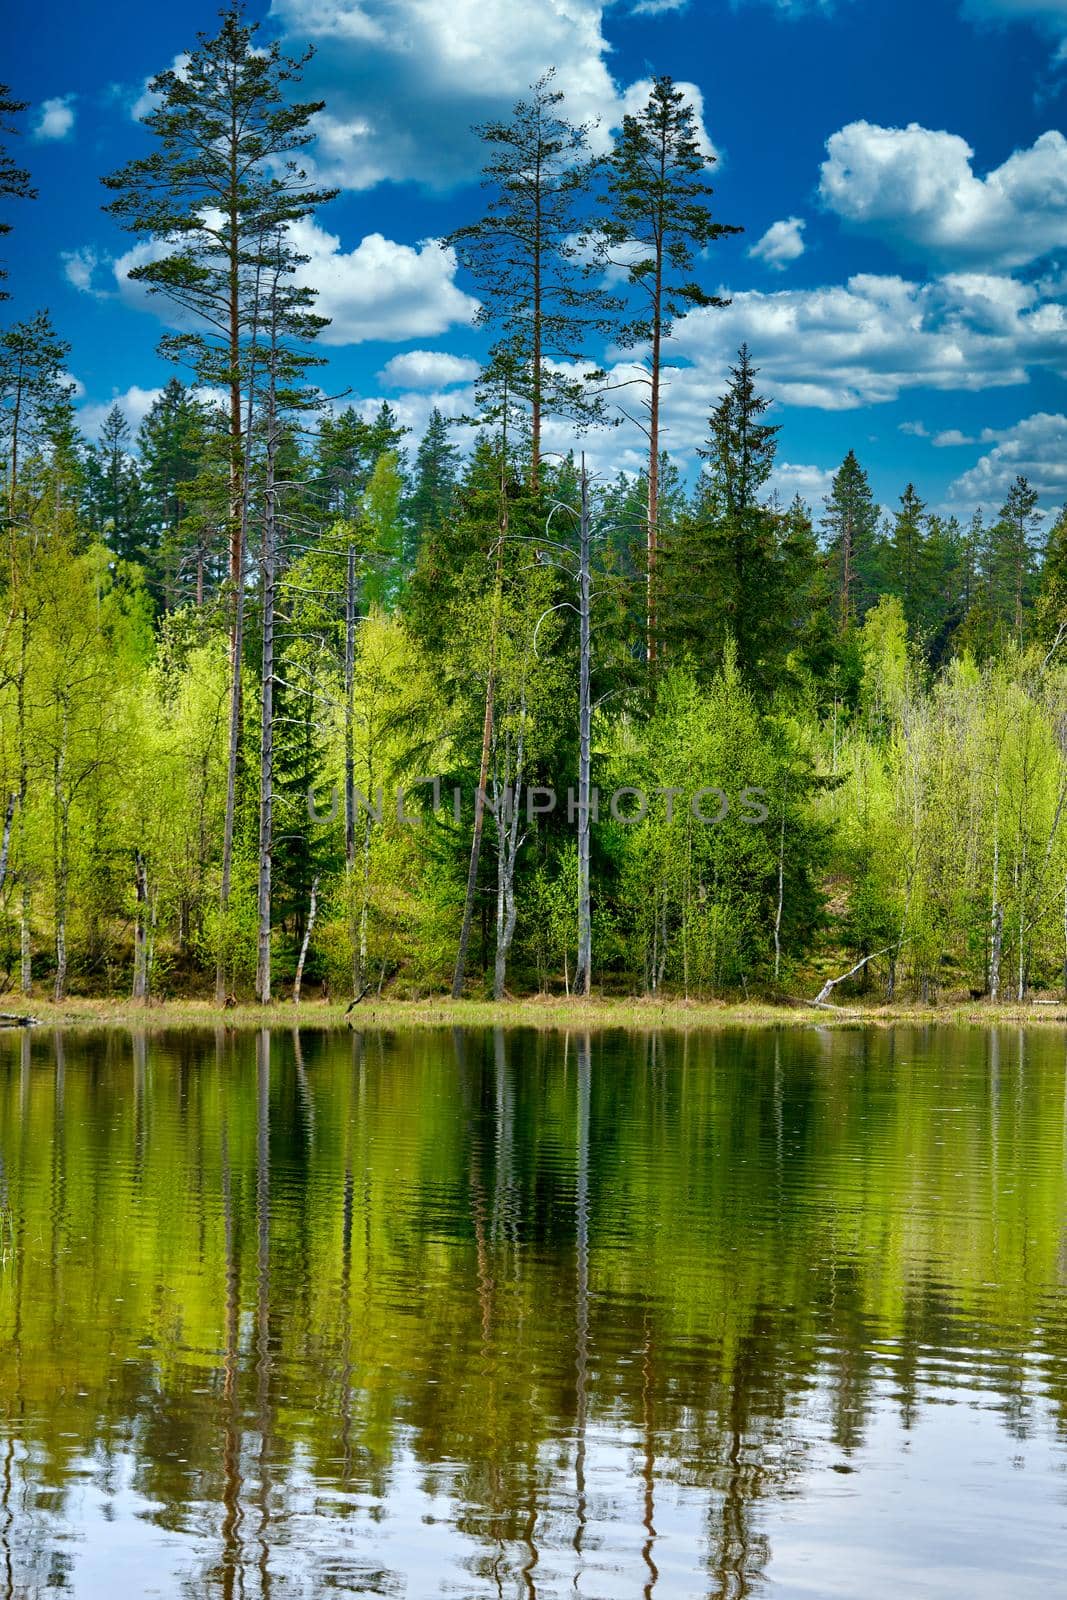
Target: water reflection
{"x":468,"y":1313}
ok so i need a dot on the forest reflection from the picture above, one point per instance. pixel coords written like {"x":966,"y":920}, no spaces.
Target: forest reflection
{"x":512,"y":1312}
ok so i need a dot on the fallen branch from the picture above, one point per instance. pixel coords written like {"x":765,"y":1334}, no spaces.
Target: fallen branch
{"x":10,"y":1019}
{"x":353,"y":1003}
{"x":822,"y":998}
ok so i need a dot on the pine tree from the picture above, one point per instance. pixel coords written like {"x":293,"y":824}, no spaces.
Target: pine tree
{"x":657,"y":200}
{"x":32,"y":386}
{"x":850,"y":526}
{"x":218,"y":185}
{"x":14,"y":180}
{"x":523,"y":257}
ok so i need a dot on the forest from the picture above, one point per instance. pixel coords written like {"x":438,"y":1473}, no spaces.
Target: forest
{"x":229,"y":639}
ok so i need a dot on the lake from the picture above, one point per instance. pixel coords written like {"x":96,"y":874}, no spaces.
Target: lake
{"x":769,"y":1312}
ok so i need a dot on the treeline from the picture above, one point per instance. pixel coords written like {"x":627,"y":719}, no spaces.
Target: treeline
{"x":229,"y":641}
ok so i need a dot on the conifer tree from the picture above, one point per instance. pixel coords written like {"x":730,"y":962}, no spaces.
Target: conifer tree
{"x":523,"y":256}
{"x":433,"y":491}
{"x":1011,"y":559}
{"x":1052,"y":594}
{"x":32,"y":388}
{"x":909,"y":569}
{"x":14,"y":180}
{"x":658,"y":222}
{"x":174,"y":443}
{"x":220,"y":181}
{"x":850,"y":525}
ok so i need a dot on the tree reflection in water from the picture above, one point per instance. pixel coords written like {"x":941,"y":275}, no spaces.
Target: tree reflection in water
{"x":515,"y":1313}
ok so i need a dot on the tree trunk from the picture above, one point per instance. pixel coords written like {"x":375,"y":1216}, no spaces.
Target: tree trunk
{"x":350,"y":759}
{"x":266,"y":736}
{"x":583,"y":969}
{"x":61,"y":854}
{"x":996,"y":936}
{"x":5,"y":841}
{"x":140,"y":929}
{"x":509,"y":843}
{"x":25,"y":942}
{"x":781,"y":895}
{"x":305,"y":942}
{"x":460,"y":973}
{"x":237,"y":576}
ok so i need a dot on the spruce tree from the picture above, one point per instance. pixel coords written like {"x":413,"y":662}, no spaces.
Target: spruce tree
{"x":174,"y":446}
{"x":1010,"y":564}
{"x":658,"y":222}
{"x":850,"y":527}
{"x":433,"y":490}
{"x":115,"y":487}
{"x":908,"y":561}
{"x":738,"y":568}
{"x":1052,"y":592}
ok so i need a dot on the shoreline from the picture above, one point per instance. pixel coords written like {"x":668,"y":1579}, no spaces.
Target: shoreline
{"x":538,"y":1012}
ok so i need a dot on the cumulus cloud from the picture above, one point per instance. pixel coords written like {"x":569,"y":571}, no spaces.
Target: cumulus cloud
{"x":134,"y":403}
{"x":1036,"y":448}
{"x":55,"y":118}
{"x":427,"y":369}
{"x":379,"y":290}
{"x":382,"y":290}
{"x":783,"y":242}
{"x":635,"y":98}
{"x":404,"y":80}
{"x":875,"y":337}
{"x":812,"y":484}
{"x":916,"y":188}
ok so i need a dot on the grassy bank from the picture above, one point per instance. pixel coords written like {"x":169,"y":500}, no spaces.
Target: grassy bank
{"x":538,"y":1012}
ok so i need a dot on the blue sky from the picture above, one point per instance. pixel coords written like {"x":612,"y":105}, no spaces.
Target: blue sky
{"x":898,"y":169}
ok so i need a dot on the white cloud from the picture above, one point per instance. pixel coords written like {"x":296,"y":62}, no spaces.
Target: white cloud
{"x":1040,"y":10}
{"x":404,"y":80}
{"x":134,"y":403}
{"x":427,"y":369}
{"x":810,"y":483}
{"x":74,"y":386}
{"x":635,"y":99}
{"x":145,"y":101}
{"x":916,"y":188}
{"x":379,"y":290}
{"x":382,"y":290}
{"x":918,"y":430}
{"x":875,"y":337}
{"x":56,"y":118}
{"x":1036,"y":448}
{"x":951,"y":437}
{"x":79,"y":269}
{"x":783,"y":242}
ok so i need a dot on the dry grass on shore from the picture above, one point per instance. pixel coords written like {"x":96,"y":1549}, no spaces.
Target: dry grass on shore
{"x":537,"y":1012}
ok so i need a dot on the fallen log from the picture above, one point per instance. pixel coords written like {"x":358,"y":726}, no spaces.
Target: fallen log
{"x":11,"y":1019}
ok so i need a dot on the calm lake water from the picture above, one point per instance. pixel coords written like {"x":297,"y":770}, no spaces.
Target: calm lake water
{"x":467,"y":1314}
